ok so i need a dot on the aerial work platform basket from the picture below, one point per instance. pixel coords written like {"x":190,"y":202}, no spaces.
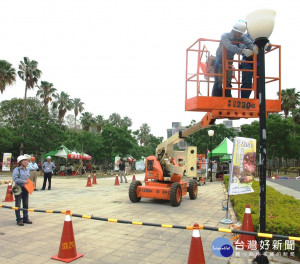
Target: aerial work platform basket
{"x":200,"y":79}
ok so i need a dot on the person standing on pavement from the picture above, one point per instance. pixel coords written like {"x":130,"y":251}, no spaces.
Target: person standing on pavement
{"x":48,"y":168}
{"x":20,"y":177}
{"x":122,"y":171}
{"x":33,"y":170}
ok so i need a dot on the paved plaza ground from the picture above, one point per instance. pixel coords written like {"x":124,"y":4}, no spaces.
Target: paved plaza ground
{"x":105,"y":242}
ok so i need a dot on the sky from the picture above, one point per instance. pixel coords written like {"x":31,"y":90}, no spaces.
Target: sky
{"x":129,"y":56}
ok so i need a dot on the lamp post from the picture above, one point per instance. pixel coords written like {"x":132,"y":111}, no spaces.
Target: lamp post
{"x":260,"y":24}
{"x":210,"y":134}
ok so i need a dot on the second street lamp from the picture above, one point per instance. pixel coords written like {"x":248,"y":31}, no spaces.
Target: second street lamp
{"x":210,"y":134}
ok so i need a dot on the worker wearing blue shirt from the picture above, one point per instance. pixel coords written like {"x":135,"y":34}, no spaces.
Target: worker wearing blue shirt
{"x":20,"y":177}
{"x":248,"y":75}
{"x":48,"y":168}
{"x":227,"y":40}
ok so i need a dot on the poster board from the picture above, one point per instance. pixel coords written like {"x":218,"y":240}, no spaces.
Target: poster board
{"x":243,"y":166}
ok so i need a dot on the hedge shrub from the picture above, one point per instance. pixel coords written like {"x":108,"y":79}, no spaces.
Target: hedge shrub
{"x":282,"y":211}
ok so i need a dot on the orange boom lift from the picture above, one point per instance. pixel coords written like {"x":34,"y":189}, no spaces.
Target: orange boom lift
{"x":165,"y":170}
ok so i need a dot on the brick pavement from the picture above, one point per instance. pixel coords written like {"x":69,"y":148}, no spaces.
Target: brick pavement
{"x":104,"y":242}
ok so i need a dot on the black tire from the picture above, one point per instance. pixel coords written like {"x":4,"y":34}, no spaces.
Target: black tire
{"x":175,"y":194}
{"x":132,"y":191}
{"x":193,"y":189}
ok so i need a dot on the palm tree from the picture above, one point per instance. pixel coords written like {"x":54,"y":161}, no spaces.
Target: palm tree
{"x":7,"y":74}
{"x":29,"y":73}
{"x":126,"y":122}
{"x":115,"y":119}
{"x":78,"y":107}
{"x":63,"y":103}
{"x":289,"y":100}
{"x":87,"y":120}
{"x":46,"y":91}
{"x":99,"y":122}
{"x":144,"y":132}
{"x":296,"y":115}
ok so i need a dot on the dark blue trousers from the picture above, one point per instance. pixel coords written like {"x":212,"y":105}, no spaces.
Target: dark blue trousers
{"x":22,"y":197}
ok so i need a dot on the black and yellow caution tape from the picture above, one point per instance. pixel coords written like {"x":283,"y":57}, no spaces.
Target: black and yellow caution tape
{"x":4,"y":182}
{"x":112,"y":220}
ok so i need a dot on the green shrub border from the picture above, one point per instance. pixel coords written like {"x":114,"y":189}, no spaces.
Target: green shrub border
{"x":282,"y":211}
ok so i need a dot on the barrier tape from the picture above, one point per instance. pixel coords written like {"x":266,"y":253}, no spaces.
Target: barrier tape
{"x":4,"y":182}
{"x":112,"y":220}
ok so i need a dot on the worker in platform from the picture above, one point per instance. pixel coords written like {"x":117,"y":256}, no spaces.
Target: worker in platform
{"x":247,"y":75}
{"x":232,"y":42}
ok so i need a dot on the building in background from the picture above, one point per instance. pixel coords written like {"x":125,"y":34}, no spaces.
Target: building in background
{"x":176,"y":127}
{"x":229,"y":124}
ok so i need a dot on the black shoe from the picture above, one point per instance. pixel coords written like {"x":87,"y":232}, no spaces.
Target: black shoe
{"x":27,"y":222}
{"x":20,"y":223}
{"x":35,"y":189}
{"x":42,"y":189}
{"x":49,"y":188}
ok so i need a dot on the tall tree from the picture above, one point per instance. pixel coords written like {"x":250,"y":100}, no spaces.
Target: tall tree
{"x":46,"y":92}
{"x":28,"y":72}
{"x":63,"y":103}
{"x":296,"y":115}
{"x":78,"y":107}
{"x":143,"y":135}
{"x":289,"y":100}
{"x":7,"y":74}
{"x":99,"y":123}
{"x":115,"y":119}
{"x":87,"y":120}
{"x":126,"y":122}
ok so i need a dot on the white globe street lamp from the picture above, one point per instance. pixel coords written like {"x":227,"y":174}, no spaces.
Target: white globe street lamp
{"x":260,"y":24}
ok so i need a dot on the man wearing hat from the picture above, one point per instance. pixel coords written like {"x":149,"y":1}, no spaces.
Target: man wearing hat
{"x":33,"y":167}
{"x":48,"y":168}
{"x":20,"y":177}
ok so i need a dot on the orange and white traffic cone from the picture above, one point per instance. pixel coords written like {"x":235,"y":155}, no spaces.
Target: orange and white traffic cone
{"x":133,"y":178}
{"x":89,"y":183}
{"x":247,"y":226}
{"x":196,"y":255}
{"x":94,"y":179}
{"x":117,"y":180}
{"x":67,"y":250}
{"x":9,"y":196}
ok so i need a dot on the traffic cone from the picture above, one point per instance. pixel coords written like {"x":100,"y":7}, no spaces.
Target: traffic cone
{"x":9,"y":196}
{"x":117,"y":180}
{"x":247,"y":226}
{"x":133,"y":178}
{"x":67,"y":250}
{"x":196,"y":255}
{"x":94,"y":179}
{"x":89,"y":183}
{"x":202,"y":180}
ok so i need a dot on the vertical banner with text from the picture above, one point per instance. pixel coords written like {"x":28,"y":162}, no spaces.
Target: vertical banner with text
{"x":6,"y":161}
{"x":243,"y":166}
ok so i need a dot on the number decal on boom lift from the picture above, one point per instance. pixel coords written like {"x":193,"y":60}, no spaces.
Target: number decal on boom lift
{"x":240,"y":104}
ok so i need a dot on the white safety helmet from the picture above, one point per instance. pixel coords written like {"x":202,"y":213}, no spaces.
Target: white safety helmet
{"x":48,"y":157}
{"x":240,"y":26}
{"x":20,"y":158}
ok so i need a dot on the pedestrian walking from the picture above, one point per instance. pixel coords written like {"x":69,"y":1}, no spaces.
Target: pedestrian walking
{"x":48,"y":169}
{"x":122,"y":171}
{"x":20,"y":177}
{"x":33,"y":171}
